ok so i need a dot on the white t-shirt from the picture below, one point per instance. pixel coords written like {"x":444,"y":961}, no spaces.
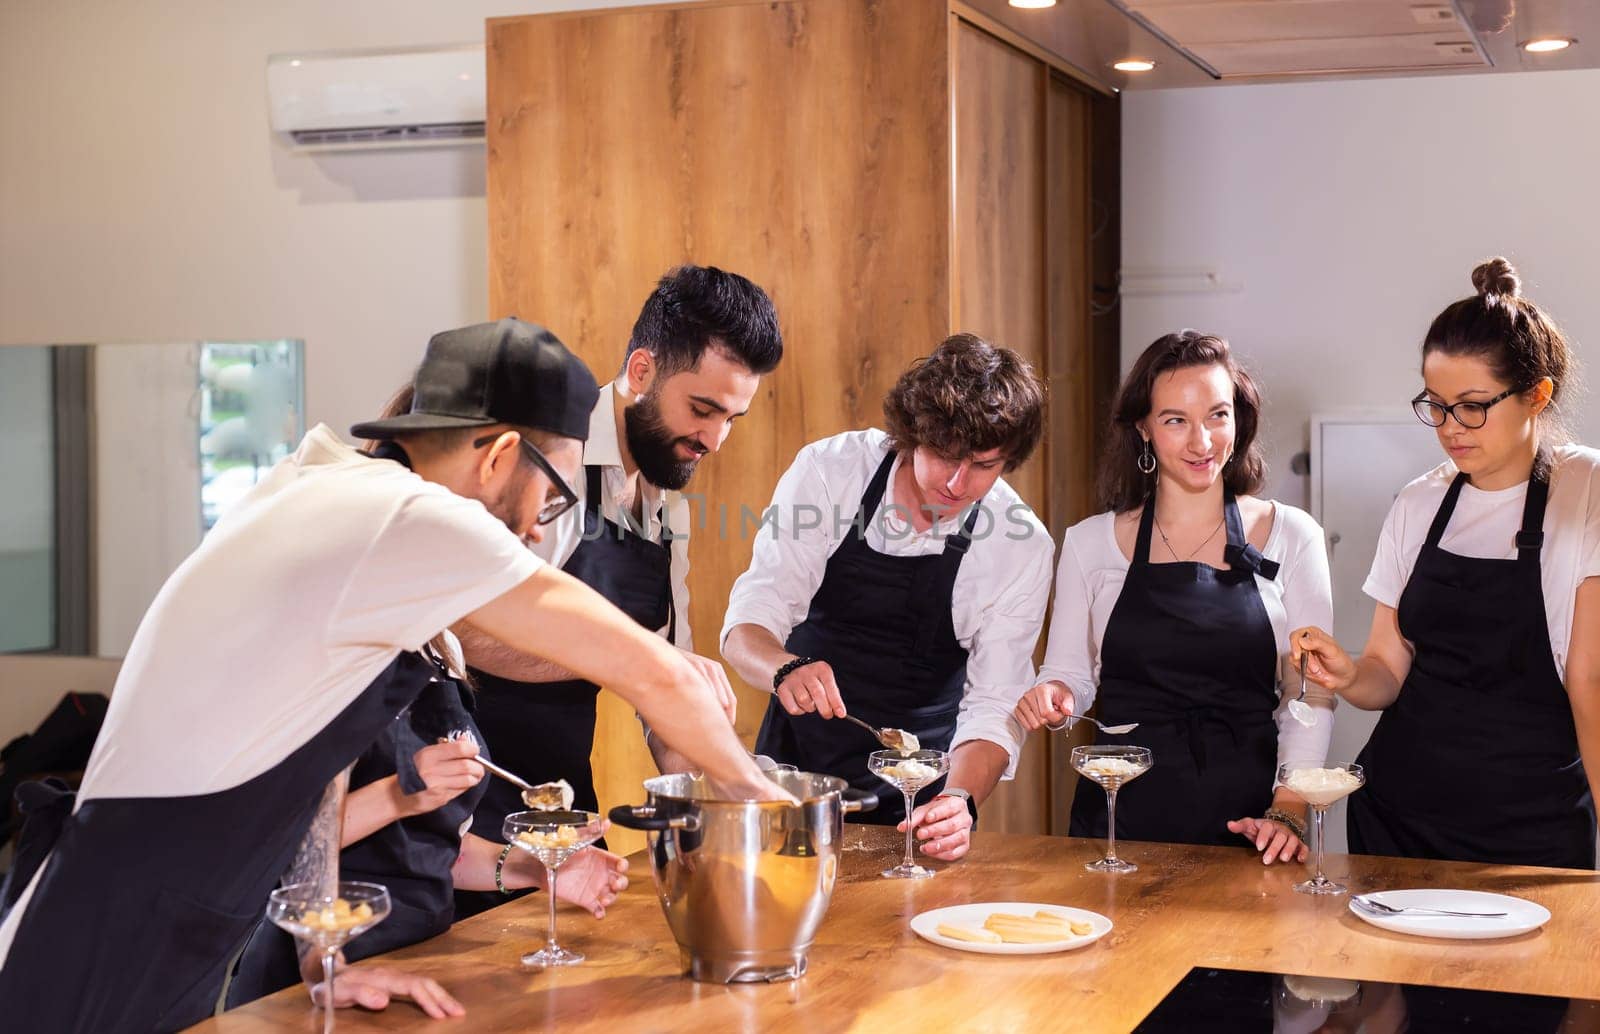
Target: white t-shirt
{"x":309,"y":587}
{"x":997,"y":604}
{"x":1485,"y":525}
{"x":1089,"y":581}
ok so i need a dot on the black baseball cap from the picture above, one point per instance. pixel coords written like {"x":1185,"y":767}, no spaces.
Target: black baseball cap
{"x":508,"y":372}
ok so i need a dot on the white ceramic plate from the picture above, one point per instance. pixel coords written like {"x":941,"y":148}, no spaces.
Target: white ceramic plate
{"x":1520,"y":916}
{"x":926,"y":925}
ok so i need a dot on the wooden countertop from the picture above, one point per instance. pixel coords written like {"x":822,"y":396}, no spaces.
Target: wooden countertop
{"x":1186,"y":906}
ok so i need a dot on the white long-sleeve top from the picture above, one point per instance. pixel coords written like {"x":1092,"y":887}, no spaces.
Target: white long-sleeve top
{"x":1089,"y":580}
{"x":1001,"y":589}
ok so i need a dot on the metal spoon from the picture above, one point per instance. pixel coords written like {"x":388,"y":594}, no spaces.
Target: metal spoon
{"x":894,"y":739}
{"x":530,"y":793}
{"x":1389,"y":910}
{"x":1113,"y":730}
{"x":1299,"y":710}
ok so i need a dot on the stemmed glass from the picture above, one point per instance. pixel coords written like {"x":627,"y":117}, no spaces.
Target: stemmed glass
{"x":908,"y":771}
{"x":552,"y":837}
{"x":327,"y":921}
{"x":1321,"y":788}
{"x":1112,"y":767}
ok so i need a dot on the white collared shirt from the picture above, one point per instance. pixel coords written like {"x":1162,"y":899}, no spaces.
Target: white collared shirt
{"x":1001,"y":588}
{"x":602,"y":450}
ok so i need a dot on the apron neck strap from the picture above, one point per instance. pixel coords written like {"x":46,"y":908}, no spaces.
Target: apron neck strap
{"x":1147,"y":523}
{"x":1441,"y":518}
{"x":1531,"y":537}
{"x":873,"y":496}
{"x":1230,"y":516}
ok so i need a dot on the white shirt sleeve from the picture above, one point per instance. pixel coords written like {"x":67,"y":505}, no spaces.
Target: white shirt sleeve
{"x":1069,"y":654}
{"x":1307,"y":600}
{"x":1589,"y":566}
{"x":1000,"y":659}
{"x":437,"y":558}
{"x":1390,"y":572}
{"x":678,"y":519}
{"x":790,"y":554}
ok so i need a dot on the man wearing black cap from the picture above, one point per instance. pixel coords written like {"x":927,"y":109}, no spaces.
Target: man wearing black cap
{"x":703,"y":340}
{"x":277,"y":653}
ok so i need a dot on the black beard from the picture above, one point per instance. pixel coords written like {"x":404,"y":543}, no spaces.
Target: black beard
{"x":507,"y":507}
{"x":652,"y":443}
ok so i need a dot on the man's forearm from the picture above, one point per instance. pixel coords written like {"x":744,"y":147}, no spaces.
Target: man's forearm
{"x":976,"y":767}
{"x":488,"y":654}
{"x":317,"y":860}
{"x":755,"y":653}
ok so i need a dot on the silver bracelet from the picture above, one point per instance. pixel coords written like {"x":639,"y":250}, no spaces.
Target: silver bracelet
{"x":1278,"y":815}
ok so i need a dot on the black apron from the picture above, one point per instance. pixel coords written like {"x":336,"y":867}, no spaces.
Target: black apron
{"x":1189,"y":653}
{"x":883,"y":623}
{"x":144,"y":901}
{"x":544,"y":731}
{"x":413,"y":856}
{"x":1477,"y":759}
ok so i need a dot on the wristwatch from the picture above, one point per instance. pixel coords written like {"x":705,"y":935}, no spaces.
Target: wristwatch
{"x":956,"y":791}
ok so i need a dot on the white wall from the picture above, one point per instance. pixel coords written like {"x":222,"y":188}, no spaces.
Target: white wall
{"x":1340,"y":218}
{"x":1350,"y":213}
{"x":144,"y":199}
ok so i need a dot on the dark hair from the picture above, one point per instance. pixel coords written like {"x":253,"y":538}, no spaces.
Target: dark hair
{"x":968,"y":396}
{"x":1507,"y":331}
{"x":698,"y":307}
{"x":1122,"y":485}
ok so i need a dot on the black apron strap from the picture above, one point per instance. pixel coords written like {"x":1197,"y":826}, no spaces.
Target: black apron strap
{"x":1530,"y":539}
{"x":1442,"y":517}
{"x":872,"y":498}
{"x":1147,"y":522}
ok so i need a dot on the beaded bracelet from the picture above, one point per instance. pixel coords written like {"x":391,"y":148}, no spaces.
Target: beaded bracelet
{"x":783,"y":672}
{"x":499,"y":870}
{"x":1278,"y":815}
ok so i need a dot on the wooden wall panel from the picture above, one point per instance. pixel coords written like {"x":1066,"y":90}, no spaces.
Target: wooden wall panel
{"x":1001,"y":276}
{"x":805,"y":145}
{"x":1074,"y":390}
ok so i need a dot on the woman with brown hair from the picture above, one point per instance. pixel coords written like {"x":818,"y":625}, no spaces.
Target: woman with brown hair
{"x":1484,"y":655}
{"x":1173,"y":609}
{"x":904,"y":583}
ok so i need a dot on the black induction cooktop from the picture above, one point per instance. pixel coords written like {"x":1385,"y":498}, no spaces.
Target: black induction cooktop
{"x":1244,"y":1002}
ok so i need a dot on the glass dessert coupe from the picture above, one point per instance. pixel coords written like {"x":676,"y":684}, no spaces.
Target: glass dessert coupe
{"x":1321,"y":788}
{"x":1112,"y":767}
{"x":552,"y":837}
{"x":326,"y":922}
{"x":908,"y":771}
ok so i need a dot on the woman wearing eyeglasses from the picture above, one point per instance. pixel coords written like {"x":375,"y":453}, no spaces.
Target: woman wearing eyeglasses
{"x":1484,"y":655}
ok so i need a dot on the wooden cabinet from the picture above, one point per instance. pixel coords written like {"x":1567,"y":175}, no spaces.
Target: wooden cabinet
{"x":889,"y":171}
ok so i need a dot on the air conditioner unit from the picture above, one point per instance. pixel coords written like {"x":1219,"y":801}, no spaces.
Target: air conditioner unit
{"x":414,"y":97}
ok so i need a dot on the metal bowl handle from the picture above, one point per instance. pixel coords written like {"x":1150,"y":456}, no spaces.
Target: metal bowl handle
{"x":858,"y":800}
{"x":643,"y":816}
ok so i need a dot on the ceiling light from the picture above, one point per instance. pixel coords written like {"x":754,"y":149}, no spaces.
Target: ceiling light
{"x":1134,"y":64}
{"x":1547,"y":45}
{"x":1033,"y":3}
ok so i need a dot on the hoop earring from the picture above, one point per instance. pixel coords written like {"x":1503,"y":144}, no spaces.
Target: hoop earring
{"x":1147,"y":460}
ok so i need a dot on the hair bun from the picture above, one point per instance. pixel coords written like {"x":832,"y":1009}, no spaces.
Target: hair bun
{"x":1496,"y":278}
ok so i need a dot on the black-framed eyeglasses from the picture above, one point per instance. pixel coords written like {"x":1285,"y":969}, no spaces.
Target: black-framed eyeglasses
{"x":1472,"y":415}
{"x":552,"y":508}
